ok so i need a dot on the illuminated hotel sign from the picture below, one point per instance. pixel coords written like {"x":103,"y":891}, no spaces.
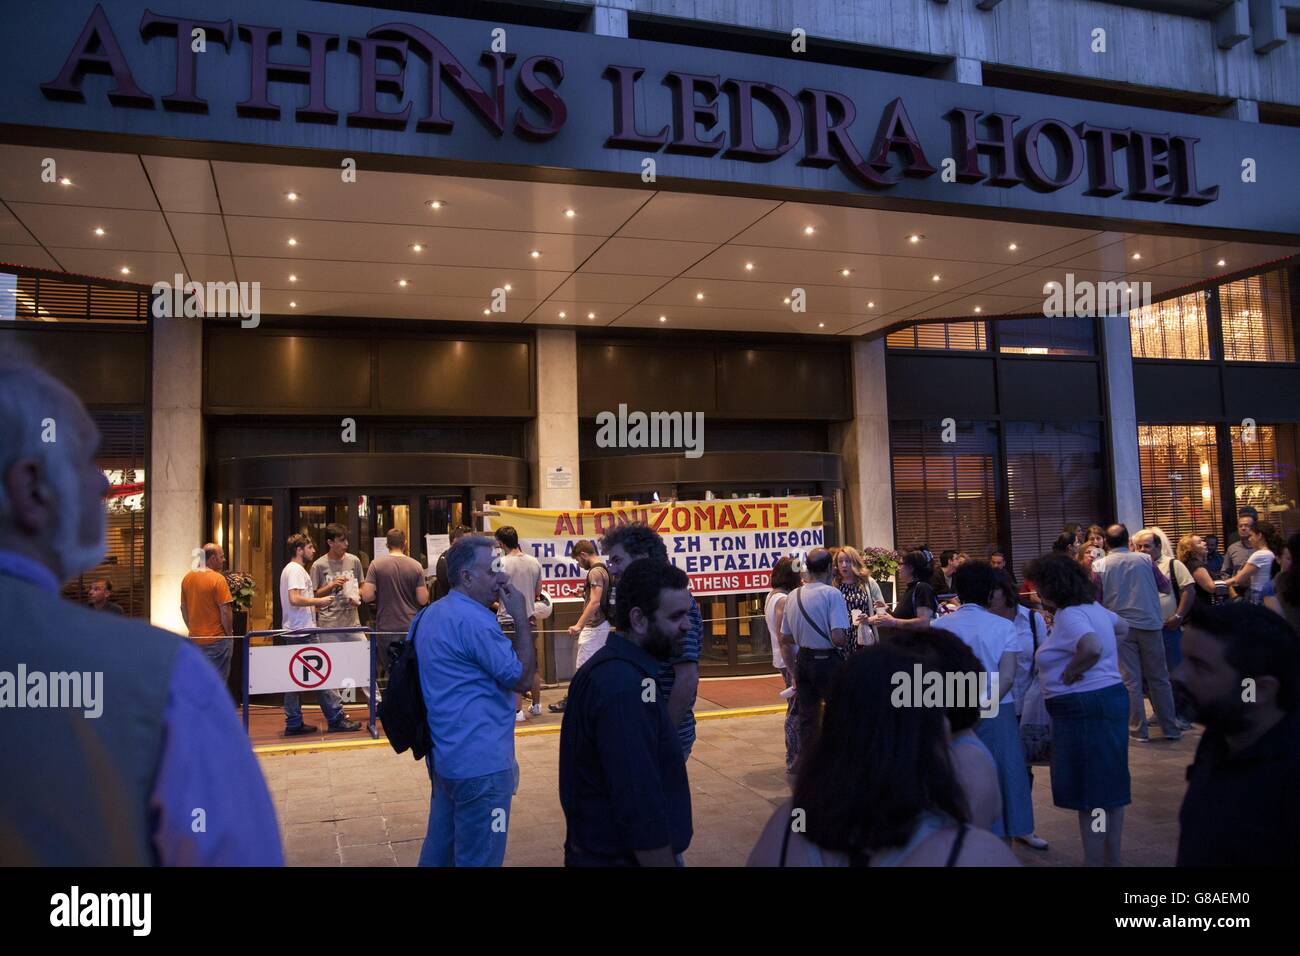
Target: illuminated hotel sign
{"x":731,"y":117}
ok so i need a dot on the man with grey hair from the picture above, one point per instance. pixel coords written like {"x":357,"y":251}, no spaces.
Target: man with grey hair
{"x":115,"y":771}
{"x":469,"y":674}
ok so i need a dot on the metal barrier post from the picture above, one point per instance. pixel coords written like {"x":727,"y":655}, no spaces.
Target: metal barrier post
{"x":374,"y":659}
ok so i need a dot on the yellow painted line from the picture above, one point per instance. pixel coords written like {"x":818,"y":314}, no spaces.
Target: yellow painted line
{"x":273,"y":750}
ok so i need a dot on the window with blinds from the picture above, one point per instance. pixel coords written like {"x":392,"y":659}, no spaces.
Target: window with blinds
{"x":40,"y":298}
{"x":1257,"y":323}
{"x":121,"y":457}
{"x":945,"y":493}
{"x":951,"y":336}
{"x":1180,"y":479}
{"x":1060,"y":335}
{"x":1172,"y":329}
{"x":1264,"y":475}
{"x":1054,"y":476}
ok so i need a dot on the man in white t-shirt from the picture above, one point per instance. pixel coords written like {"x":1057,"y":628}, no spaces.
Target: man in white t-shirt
{"x":297,"y":601}
{"x":525,"y":573}
{"x":814,"y":638}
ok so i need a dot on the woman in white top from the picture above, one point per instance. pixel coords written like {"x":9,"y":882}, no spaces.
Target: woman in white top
{"x":876,"y":786}
{"x":1078,"y":668}
{"x":784,"y":580}
{"x":1257,"y":572}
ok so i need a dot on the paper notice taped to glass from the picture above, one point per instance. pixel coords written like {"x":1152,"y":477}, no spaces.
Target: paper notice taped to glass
{"x":561,"y":476}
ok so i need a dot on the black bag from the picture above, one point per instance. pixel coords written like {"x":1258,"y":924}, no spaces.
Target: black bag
{"x":402,"y":710}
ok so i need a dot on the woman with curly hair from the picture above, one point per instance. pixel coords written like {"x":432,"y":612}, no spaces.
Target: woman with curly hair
{"x":861,"y":592}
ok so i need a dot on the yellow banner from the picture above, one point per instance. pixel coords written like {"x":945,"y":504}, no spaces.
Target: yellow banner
{"x":726,"y":546}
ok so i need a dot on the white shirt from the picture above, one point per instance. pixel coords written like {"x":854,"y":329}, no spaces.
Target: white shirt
{"x":294,"y":577}
{"x":1263,"y":562}
{"x":825,"y":605}
{"x":770,"y":606}
{"x":1068,"y":626}
{"x":1180,"y":577}
{"x":987,"y":634}
{"x":1025,"y":649}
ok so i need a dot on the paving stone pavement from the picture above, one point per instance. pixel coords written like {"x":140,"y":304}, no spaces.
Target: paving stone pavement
{"x":369,"y":807}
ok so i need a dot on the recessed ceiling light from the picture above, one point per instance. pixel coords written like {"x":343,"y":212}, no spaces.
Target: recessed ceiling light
{"x":1137,"y":255}
{"x":293,"y":242}
{"x":562,"y":315}
{"x":591,"y":315}
{"x":871,"y":305}
{"x":914,"y":238}
{"x":699,"y":295}
{"x":786,"y":300}
{"x":978,"y":309}
{"x":416,"y":247}
{"x":66,"y":181}
{"x":99,"y":230}
{"x":1222,"y":262}
{"x":507,"y":287}
{"x":749,"y":267}
{"x":808,"y":230}
{"x":293,"y":278}
{"x":1013,"y":247}
{"x":487,"y":311}
{"x":663,"y":318}
{"x":293,"y":305}
{"x":126,"y":271}
{"x":291,"y":196}
{"x":570,"y":213}
{"x":845,"y":272}
{"x":434,"y":204}
{"x":535,"y":254}
{"x":936,"y":277}
{"x":821,"y":325}
{"x":403,"y":283}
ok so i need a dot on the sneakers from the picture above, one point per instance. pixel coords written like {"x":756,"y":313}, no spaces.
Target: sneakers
{"x":344,"y":726}
{"x":1033,"y":841}
{"x":300,"y":731}
{"x":1184,"y":724}
{"x":535,"y":710}
{"x":1174,"y":738}
{"x":558,"y":708}
{"x":520,"y":718}
{"x":1139,"y":738}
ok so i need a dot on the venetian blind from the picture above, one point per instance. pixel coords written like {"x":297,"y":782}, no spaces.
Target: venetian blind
{"x":1257,"y":324}
{"x":1172,"y":329}
{"x":945,"y":493}
{"x":1264,"y":473}
{"x":1180,"y":479}
{"x":953,"y":336}
{"x":1054,"y":476}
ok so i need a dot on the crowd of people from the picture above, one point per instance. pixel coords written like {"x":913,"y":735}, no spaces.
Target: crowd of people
{"x":1061,"y":662}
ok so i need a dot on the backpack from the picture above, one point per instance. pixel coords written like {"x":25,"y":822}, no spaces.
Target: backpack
{"x":402,"y":710}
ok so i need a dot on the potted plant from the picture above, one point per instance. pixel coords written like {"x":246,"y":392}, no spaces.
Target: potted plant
{"x":242,"y":588}
{"x":883,"y":565}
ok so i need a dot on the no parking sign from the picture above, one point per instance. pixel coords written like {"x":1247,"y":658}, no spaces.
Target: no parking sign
{"x":302,"y":667}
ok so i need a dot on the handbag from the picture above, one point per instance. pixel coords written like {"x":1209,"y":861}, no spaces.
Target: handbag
{"x":1035,"y":722}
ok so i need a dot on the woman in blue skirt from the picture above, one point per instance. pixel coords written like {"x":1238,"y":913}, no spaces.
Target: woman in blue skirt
{"x":1078,"y":667}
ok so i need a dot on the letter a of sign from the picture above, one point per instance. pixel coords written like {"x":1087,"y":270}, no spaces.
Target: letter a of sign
{"x":97,"y":51}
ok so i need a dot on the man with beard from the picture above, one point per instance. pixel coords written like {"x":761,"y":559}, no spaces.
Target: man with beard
{"x":623,"y":781}
{"x":679,"y":676}
{"x":1240,"y":677}
{"x":144,"y":732}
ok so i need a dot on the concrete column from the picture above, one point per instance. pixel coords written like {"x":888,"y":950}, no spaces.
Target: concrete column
{"x":963,"y":69}
{"x":554,"y":445}
{"x":1125,"y":470}
{"x":863,"y":444}
{"x":175,"y":465}
{"x":1247,"y":111}
{"x":608,"y":21}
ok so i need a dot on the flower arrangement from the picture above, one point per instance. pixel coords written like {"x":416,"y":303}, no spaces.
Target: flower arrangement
{"x":242,"y":588}
{"x":881,"y":562}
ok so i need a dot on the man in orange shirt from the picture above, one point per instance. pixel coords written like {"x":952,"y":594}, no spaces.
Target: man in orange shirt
{"x":206,"y":606}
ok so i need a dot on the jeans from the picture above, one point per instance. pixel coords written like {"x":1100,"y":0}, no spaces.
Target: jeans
{"x":812,"y":685}
{"x":1142,"y":655}
{"x":1173,"y":640}
{"x":468,"y":819}
{"x":219,"y":653}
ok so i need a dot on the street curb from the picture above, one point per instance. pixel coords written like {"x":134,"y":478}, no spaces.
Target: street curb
{"x":280,"y":750}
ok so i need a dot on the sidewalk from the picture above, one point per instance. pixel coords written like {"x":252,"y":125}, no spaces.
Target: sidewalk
{"x":718,"y":697}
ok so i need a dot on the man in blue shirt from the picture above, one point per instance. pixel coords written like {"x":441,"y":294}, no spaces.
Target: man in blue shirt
{"x":142,"y":761}
{"x":623,"y":780}
{"x":679,"y":676}
{"x":469,"y":673}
